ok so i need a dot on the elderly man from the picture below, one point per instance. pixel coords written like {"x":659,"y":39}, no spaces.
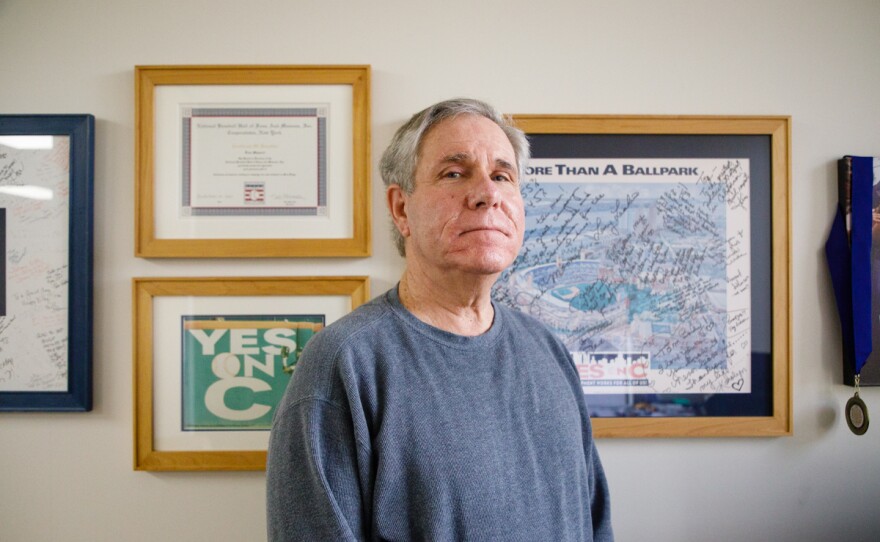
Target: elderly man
{"x":431,"y":413}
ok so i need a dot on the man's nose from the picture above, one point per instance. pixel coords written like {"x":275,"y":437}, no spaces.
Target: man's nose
{"x":483,"y":191}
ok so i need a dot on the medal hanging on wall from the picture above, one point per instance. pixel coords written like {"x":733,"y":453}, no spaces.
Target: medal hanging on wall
{"x":857,"y":412}
{"x":848,"y":251}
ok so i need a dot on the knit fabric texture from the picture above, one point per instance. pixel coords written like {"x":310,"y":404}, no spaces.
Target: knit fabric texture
{"x":392,"y":429}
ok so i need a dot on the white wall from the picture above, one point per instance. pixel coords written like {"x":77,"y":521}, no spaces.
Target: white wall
{"x":69,"y":476}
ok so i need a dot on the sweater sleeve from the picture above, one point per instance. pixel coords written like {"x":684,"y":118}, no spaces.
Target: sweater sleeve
{"x":600,"y":503}
{"x":312,"y":486}
{"x":600,"y":499}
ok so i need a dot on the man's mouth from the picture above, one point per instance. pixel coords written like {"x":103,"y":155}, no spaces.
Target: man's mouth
{"x":484,"y":229}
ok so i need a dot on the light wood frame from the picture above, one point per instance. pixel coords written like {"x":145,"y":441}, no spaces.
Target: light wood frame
{"x":144,"y":291}
{"x":147,"y":78}
{"x":778,"y":128}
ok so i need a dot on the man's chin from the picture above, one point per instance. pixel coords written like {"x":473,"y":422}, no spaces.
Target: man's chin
{"x":484,"y":264}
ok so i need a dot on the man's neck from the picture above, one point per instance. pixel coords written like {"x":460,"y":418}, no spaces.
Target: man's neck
{"x":457,"y":304}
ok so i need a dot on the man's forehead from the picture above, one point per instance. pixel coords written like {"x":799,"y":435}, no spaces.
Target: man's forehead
{"x":457,"y":139}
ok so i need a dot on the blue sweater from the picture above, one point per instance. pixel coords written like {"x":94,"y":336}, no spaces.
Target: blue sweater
{"x":392,"y":429}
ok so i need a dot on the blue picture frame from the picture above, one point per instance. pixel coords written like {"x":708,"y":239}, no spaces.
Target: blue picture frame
{"x":80,"y":131}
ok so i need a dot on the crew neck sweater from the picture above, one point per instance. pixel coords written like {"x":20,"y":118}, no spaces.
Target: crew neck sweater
{"x":392,"y":429}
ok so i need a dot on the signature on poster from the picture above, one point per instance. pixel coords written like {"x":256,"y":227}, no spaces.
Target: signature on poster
{"x":641,"y":267}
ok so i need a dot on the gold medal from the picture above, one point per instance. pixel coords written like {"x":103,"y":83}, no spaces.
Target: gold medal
{"x":857,"y":412}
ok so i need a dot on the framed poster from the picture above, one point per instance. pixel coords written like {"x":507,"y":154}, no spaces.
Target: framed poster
{"x":657,"y":249}
{"x":252,"y":161}
{"x":212,"y":358}
{"x":46,"y":236}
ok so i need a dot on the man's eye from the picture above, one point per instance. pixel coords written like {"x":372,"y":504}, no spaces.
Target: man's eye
{"x":502,"y":178}
{"x":453,"y":174}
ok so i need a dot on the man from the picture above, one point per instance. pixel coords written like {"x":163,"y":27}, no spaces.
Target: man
{"x":431,"y":413}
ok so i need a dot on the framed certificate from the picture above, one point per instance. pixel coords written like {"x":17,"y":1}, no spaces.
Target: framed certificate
{"x":213,"y":357}
{"x":46,"y":240}
{"x":657,"y":249}
{"x":252,"y":161}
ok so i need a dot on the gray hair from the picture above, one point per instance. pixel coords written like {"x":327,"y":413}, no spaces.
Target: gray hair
{"x":398,"y":163}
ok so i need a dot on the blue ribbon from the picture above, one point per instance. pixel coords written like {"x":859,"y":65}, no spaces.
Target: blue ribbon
{"x":850,"y":265}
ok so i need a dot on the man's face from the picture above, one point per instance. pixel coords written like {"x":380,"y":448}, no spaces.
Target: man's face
{"x":465,"y":213}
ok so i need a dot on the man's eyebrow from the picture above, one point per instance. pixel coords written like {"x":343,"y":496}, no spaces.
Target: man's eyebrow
{"x":462,"y":157}
{"x":504,"y":164}
{"x":457,"y":158}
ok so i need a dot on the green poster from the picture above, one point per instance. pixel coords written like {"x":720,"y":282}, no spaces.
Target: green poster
{"x":235,"y":368}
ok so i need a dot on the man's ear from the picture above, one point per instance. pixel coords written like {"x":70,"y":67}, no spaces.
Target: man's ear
{"x":397,"y":206}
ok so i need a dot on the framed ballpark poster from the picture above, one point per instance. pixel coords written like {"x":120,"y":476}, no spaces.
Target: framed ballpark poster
{"x":657,"y":249}
{"x":213,"y":357}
